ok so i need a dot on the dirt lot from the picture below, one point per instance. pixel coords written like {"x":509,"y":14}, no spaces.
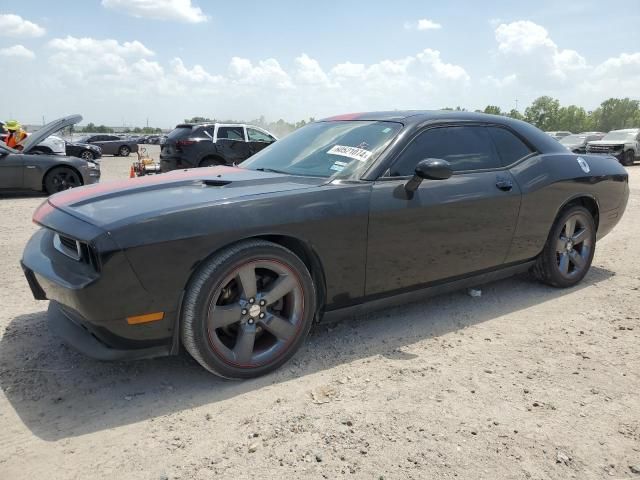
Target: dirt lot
{"x":523,"y":382}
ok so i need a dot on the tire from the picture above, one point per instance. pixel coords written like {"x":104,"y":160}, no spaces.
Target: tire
{"x":124,"y":151}
{"x":248,"y":309}
{"x":210,"y":162}
{"x":565,"y":260}
{"x":87,"y":155}
{"x":61,"y":178}
{"x":629,"y":158}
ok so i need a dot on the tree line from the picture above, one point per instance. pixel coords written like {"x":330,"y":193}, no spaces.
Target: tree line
{"x":92,"y":128}
{"x":547,"y":114}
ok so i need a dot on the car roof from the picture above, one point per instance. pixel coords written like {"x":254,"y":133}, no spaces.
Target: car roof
{"x":416,"y":119}
{"x":420,"y":116}
{"x":629,"y":130}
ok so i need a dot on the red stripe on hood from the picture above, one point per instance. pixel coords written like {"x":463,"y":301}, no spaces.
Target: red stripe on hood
{"x":81,"y":193}
{"x":73,"y":195}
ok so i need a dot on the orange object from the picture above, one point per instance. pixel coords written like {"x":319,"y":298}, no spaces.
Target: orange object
{"x":149,"y":317}
{"x":132,"y":172}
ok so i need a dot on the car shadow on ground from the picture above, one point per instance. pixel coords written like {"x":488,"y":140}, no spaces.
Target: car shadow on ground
{"x":59,"y":393}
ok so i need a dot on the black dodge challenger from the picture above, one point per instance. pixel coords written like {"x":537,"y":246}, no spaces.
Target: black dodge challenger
{"x":352,"y":212}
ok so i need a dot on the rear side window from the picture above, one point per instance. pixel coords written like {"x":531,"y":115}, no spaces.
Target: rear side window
{"x":258,"y":136}
{"x":231,"y":133}
{"x":464,"y":147}
{"x":509,"y":147}
{"x":179,"y":132}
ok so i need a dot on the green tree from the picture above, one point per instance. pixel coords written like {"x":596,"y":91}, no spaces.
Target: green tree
{"x":513,"y":113}
{"x":543,"y":113}
{"x":198,"y":120}
{"x":573,"y":118}
{"x":616,"y":113}
{"x":493,"y":110}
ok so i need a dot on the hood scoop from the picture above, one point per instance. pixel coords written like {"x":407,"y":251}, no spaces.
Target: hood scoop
{"x":215,"y":183}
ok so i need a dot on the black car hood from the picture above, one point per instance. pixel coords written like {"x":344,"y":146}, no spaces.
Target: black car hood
{"x":112,"y":204}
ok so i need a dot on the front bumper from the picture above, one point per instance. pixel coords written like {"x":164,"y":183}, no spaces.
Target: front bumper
{"x":98,"y":301}
{"x":73,"y":332}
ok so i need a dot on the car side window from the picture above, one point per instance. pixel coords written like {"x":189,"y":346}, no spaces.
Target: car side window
{"x":231,"y":133}
{"x":258,"y":136}
{"x":464,"y":147}
{"x":510,"y":148}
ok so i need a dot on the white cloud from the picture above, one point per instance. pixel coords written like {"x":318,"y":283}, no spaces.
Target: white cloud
{"x":422,"y":24}
{"x":309,"y":71}
{"x":443,"y":70}
{"x":500,"y":82}
{"x":17,"y":51}
{"x":93,"y":47}
{"x":174,"y":10}
{"x":15,"y":26}
{"x":528,"y":47}
{"x":266,"y":73}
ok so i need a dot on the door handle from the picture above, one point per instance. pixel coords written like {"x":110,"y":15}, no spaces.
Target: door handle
{"x":30,"y":166}
{"x":504,"y":184}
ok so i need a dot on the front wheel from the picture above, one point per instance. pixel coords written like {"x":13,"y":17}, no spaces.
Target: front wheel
{"x":87,"y":155}
{"x":629,"y":158}
{"x":569,"y":250}
{"x":60,"y":179}
{"x":210,"y":162}
{"x":124,"y":151}
{"x":248,"y":309}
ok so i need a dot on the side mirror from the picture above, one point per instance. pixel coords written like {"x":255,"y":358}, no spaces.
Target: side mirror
{"x":429,"y":169}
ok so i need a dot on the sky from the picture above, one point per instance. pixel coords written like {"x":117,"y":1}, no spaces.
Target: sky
{"x":129,"y":62}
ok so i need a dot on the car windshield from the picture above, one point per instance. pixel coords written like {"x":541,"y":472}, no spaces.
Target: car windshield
{"x":325,"y":149}
{"x":84,"y":139}
{"x":573,"y":139}
{"x":620,"y":135}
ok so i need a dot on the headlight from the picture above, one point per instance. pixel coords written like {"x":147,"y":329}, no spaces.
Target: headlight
{"x":94,"y":165}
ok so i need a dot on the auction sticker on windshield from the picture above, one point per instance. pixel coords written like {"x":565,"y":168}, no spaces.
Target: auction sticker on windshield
{"x":351,"y":152}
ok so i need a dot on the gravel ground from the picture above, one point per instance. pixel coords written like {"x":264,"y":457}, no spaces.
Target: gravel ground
{"x":524,"y":382}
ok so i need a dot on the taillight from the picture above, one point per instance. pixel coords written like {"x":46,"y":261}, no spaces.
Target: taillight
{"x":182,"y":143}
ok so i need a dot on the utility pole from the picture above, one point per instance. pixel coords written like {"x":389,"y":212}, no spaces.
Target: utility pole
{"x":516,"y":104}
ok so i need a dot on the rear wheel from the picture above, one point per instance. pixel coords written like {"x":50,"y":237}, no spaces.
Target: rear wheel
{"x":124,"y":151}
{"x":248,"y":309}
{"x":60,"y":179}
{"x":569,"y":250}
{"x":629,"y":158}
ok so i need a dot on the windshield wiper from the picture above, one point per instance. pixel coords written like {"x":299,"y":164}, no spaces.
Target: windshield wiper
{"x":273,"y":170}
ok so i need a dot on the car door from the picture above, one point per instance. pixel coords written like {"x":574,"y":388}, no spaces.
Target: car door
{"x":11,"y":170}
{"x":257,"y":140}
{"x":231,"y":143}
{"x":447,"y":228}
{"x":111,"y":144}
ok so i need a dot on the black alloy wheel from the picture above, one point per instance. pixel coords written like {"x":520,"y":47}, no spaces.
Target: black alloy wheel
{"x":248,"y":309}
{"x":87,"y":155}
{"x":60,"y":179}
{"x":124,"y":151}
{"x":567,"y":256}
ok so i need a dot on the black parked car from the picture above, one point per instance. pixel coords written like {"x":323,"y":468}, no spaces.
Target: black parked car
{"x":207,"y":144}
{"x":345,"y":214}
{"x":31,"y":169}
{"x":577,"y":142}
{"x":112,"y":144}
{"x":83,"y":150}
